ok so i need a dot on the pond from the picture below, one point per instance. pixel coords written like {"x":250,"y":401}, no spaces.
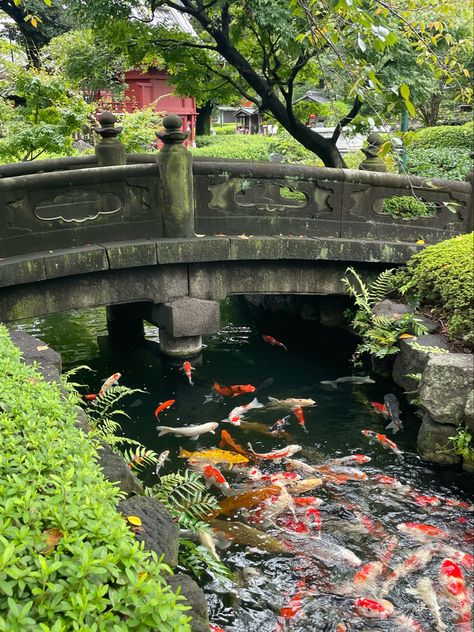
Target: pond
{"x":307,"y":579}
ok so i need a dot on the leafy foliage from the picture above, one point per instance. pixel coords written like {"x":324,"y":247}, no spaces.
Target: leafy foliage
{"x":227,"y":129}
{"x":443,"y":137}
{"x":197,"y":559}
{"x":69,"y":561}
{"x":379,"y":333}
{"x":442,"y":276}
{"x":238,"y":146}
{"x":463,"y":444}
{"x":406,"y":207}
{"x":139,"y":129}
{"x":426,"y":348}
{"x":448,"y":163}
{"x":137,"y":458}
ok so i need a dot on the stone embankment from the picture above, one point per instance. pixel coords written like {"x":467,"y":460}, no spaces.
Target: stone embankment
{"x":159,"y":532}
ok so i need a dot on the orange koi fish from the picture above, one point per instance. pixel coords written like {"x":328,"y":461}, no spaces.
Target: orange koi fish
{"x":373,"y":608}
{"x":421,"y":531}
{"x":380,"y":408}
{"x":241,"y":389}
{"x":274,"y":342}
{"x":298,"y":412}
{"x":384,"y":441}
{"x":427,"y":501}
{"x":164,"y":406}
{"x":89,"y":397}
{"x":246,"y":500}
{"x":452,"y":582}
{"x":213,"y":456}
{"x":110,"y":381}
{"x":188,"y":369}
{"x":226,"y":440}
{"x":214,"y":477}
{"x":275,"y":455}
{"x":306,"y":501}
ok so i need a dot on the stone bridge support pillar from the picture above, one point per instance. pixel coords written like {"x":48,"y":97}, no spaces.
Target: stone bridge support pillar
{"x":182,"y":324}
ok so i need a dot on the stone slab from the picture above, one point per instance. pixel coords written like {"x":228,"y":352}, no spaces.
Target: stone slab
{"x":433,"y":443}
{"x":256,"y":248}
{"x":80,"y":260}
{"x":131,"y":254}
{"x":192,"y":250}
{"x":21,"y":269}
{"x":187,"y":317}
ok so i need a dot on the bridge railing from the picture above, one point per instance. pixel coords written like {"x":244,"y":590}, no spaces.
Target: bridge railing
{"x":73,"y":202}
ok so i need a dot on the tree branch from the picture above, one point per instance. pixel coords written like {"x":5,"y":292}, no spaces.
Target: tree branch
{"x":347,"y":119}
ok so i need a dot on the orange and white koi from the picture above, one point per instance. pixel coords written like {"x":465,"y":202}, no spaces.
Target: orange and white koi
{"x":373,"y":608}
{"x":298,"y":412}
{"x":413,"y":563}
{"x":426,"y":592}
{"x":384,"y":441}
{"x":390,"y":547}
{"x":420,"y":531}
{"x":451,"y":580}
{"x":213,"y":476}
{"x":280,"y":477}
{"x":273,"y":341}
{"x":275,"y":455}
{"x":365,"y":579}
{"x":109,"y":382}
{"x":188,"y":370}
{"x":164,"y":406}
{"x":236,"y":414}
{"x":427,"y":501}
{"x":307,"y":501}
{"x":405,"y":623}
{"x":350,"y":459}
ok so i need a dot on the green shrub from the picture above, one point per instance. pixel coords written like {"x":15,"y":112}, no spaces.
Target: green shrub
{"x":443,"y":137}
{"x":68,"y":560}
{"x":206,"y":141}
{"x":444,"y":163}
{"x":291,"y":149}
{"x":226,"y":129}
{"x":442,"y":276}
{"x":238,"y":146}
{"x":406,"y":207}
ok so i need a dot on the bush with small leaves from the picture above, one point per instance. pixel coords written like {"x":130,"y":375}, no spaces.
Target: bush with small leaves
{"x":406,"y":207}
{"x":443,"y":137}
{"x":68,"y":561}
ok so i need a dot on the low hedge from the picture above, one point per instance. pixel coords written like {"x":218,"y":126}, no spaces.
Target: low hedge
{"x":406,"y":207}
{"x":443,"y":137}
{"x":445,"y":163}
{"x":442,"y":276}
{"x":238,"y":146}
{"x":67,"y":559}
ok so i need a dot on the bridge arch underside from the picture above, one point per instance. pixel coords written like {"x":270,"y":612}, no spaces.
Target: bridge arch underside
{"x":162,"y":283}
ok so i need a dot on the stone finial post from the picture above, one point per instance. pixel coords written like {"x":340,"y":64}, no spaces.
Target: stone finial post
{"x":176,"y":175}
{"x":372,"y":161}
{"x":109,"y":150}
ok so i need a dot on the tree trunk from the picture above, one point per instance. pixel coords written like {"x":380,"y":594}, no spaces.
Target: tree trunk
{"x":203,"y":121}
{"x":430,"y":112}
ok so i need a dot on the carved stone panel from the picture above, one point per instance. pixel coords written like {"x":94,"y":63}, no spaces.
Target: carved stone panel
{"x":78,"y":206}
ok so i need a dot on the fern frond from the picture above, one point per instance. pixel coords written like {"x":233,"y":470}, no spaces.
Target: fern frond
{"x":425,"y":348}
{"x":82,"y":367}
{"x":139,"y":457}
{"x":197,"y":559}
{"x":360,"y":293}
{"x":380,"y":287}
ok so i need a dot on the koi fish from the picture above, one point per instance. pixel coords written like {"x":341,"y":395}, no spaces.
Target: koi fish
{"x":236,"y":414}
{"x":213,"y":456}
{"x":393,"y":407}
{"x":330,"y":552}
{"x":298,"y":412}
{"x":280,"y":424}
{"x":241,"y":389}
{"x":348,"y":379}
{"x":214,"y":477}
{"x":373,"y":608}
{"x":192,"y":432}
{"x":407,"y":624}
{"x":215,"y":628}
{"x":350,"y":459}
{"x":248,"y":536}
{"x":290,"y":403}
{"x":274,"y":342}
{"x":421,"y":531}
{"x":279,"y":477}
{"x":451,"y":580}
{"x":296,"y":464}
{"x":305,"y":501}
{"x":209,"y":542}
{"x":226,"y":439}
{"x":306,"y":485}
{"x":384,"y":441}
{"x":275,"y":455}
{"x":365,"y":579}
{"x":188,"y":369}
{"x":427,"y":501}
{"x":110,"y":381}
{"x":413,"y":563}
{"x":160,"y":461}
{"x":465,"y":559}
{"x":247,"y":500}
{"x":90,"y":397}
{"x":164,"y":406}
{"x":380,"y":408}
{"x":426,"y":592}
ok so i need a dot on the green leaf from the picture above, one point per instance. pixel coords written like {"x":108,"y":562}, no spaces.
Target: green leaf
{"x":405,"y":92}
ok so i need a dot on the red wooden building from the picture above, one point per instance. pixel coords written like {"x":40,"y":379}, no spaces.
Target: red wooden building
{"x":154,"y":86}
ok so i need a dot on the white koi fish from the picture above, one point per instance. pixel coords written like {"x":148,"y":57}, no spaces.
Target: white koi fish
{"x":236,"y":414}
{"x":275,"y":455}
{"x":160,"y":461}
{"x":426,"y":592}
{"x":192,"y":432}
{"x":291,"y":402}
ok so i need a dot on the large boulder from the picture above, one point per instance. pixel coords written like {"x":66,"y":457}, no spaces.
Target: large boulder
{"x":411,"y":360}
{"x":114,"y":468}
{"x":433,"y":443}
{"x":33,"y":350}
{"x":194,"y":598}
{"x":157,"y":531}
{"x":446,"y":387}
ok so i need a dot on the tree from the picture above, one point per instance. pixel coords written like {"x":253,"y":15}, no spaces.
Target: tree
{"x":265,"y":48}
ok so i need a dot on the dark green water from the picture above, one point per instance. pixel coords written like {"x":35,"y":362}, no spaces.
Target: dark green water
{"x":237,"y":355}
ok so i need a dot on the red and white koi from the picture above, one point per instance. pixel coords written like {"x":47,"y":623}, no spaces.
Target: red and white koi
{"x":273,"y":341}
{"x":366,"y":578}
{"x":350,"y":459}
{"x":188,"y":371}
{"x":465,"y":559}
{"x":280,"y":424}
{"x":237,"y":414}
{"x":213,"y":476}
{"x":275,"y":455}
{"x":427,"y":501}
{"x":109,"y":382}
{"x":373,"y":608}
{"x":280,"y":477}
{"x":413,"y":563}
{"x":405,"y":623}
{"x":426,"y":592}
{"x":451,"y":580}
{"x":298,"y":412}
{"x":422,"y":532}
{"x":384,"y":441}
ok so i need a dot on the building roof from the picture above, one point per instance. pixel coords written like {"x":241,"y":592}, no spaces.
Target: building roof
{"x":316,"y":96}
{"x":165,"y":16}
{"x":248,"y":111}
{"x":227,"y":108}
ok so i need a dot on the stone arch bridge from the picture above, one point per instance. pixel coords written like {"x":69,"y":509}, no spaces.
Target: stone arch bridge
{"x":163,"y":237}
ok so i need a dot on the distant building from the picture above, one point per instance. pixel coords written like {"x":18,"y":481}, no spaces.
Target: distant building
{"x":225,"y":114}
{"x":248,"y":120}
